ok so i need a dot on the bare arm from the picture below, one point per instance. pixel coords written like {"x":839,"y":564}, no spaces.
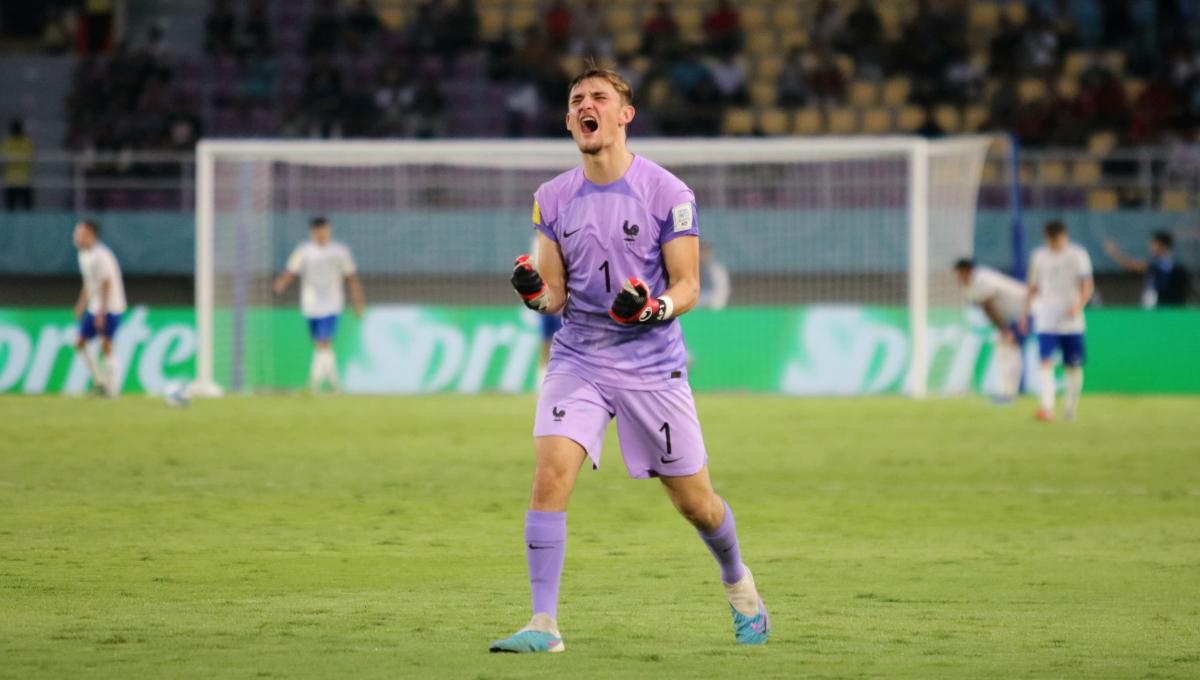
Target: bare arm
{"x":102,"y":312}
{"x":356,"y":293}
{"x":553,"y":272}
{"x":1086,"y":288}
{"x":682,"y":259}
{"x":989,"y":308}
{"x":1124,"y":261}
{"x":285,"y":279}
{"x":81,"y":303}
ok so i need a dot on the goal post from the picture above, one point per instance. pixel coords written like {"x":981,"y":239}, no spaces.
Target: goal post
{"x":824,"y":221}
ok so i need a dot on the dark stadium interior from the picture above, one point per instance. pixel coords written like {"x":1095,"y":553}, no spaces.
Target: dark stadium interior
{"x":1104,"y":96}
{"x":748,"y":289}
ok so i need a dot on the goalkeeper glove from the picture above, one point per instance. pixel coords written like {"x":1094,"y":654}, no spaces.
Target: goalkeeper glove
{"x":529,"y":284}
{"x":634,"y":305}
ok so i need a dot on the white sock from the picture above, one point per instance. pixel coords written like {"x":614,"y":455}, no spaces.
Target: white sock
{"x":315,"y":371}
{"x":1046,"y":387}
{"x":92,"y":366}
{"x":1012,"y":370}
{"x":1073,"y":376}
{"x":111,"y":377}
{"x":330,"y":367}
{"x":1003,"y":371}
{"x":544,"y":623}
{"x":743,"y":595}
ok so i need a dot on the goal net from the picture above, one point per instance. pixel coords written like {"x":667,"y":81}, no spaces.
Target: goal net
{"x":840,"y":227}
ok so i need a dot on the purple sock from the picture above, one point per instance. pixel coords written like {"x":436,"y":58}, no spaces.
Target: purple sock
{"x":723,"y":544}
{"x":545,"y":548}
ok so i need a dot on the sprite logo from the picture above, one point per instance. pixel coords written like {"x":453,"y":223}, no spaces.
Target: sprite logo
{"x":408,"y":349}
{"x":426,"y":349}
{"x":37,"y":353}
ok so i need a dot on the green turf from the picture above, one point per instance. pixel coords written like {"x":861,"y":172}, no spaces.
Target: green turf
{"x":381,"y":538}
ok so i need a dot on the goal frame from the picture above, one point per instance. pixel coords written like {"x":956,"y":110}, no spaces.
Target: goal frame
{"x":544,"y":153}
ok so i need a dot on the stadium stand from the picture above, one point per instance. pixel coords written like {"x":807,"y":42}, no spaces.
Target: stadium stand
{"x":1059,"y":75}
{"x":325,"y":68}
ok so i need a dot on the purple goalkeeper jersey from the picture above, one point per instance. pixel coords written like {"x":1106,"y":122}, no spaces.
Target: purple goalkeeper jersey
{"x":607,"y":234}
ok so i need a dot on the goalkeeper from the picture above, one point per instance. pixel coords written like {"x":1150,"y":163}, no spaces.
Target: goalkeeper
{"x":618,"y":254}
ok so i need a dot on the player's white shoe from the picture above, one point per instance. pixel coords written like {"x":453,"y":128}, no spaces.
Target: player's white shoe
{"x":541,"y":635}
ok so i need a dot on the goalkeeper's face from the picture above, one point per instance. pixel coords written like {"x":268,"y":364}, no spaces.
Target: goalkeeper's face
{"x":597,"y":115}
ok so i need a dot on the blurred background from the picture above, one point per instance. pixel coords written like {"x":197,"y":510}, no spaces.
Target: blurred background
{"x":107,"y":98}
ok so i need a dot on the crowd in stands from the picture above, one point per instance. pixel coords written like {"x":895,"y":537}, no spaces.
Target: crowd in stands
{"x":353,"y":75}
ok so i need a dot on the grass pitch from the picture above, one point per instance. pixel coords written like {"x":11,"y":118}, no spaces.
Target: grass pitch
{"x":381,"y":538}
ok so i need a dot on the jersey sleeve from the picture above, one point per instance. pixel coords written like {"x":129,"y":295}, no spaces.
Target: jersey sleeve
{"x":680,"y":214}
{"x":1085,"y":264}
{"x":104,"y":268}
{"x":349,"y":268}
{"x":1032,"y":275}
{"x":295,"y":261}
{"x":544,"y":215}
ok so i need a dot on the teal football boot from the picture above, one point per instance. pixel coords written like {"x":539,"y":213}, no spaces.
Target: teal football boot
{"x":541,"y":635}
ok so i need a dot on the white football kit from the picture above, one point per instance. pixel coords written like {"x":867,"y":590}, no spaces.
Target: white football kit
{"x":322,"y":271}
{"x":1057,"y":277}
{"x":98,"y":264}
{"x":1006,"y":293}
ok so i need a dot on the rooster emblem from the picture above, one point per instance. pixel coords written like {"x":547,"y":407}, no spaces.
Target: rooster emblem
{"x":631,"y":230}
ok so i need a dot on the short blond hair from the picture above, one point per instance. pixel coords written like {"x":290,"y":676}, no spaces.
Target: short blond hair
{"x":593,"y":69}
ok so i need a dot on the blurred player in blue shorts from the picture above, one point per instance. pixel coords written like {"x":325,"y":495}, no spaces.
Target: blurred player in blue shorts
{"x":1002,"y":300}
{"x":618,"y":255}
{"x":1060,"y":285}
{"x":100,"y":306}
{"x":550,"y":323}
{"x":323,"y":266}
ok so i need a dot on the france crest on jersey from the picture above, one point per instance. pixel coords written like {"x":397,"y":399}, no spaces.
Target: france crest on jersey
{"x":607,"y":234}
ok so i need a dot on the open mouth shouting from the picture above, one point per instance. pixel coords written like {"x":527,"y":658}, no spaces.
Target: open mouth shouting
{"x":589,"y":123}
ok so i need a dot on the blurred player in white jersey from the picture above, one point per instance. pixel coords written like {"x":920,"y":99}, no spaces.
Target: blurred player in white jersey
{"x":1060,"y":285}
{"x":100,"y":306}
{"x":714,"y":280}
{"x":1002,"y":299}
{"x":323,"y":266}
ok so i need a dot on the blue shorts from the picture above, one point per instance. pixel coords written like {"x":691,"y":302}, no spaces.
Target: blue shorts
{"x":322,"y":328}
{"x":1018,"y":337}
{"x":1071,"y":344}
{"x":551,"y":324}
{"x":88,"y":330}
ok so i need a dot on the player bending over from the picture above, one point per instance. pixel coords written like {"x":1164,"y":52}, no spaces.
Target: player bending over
{"x":322,"y":265}
{"x":1002,"y":299}
{"x":1060,"y":285}
{"x":618,"y":254}
{"x":100,"y":306}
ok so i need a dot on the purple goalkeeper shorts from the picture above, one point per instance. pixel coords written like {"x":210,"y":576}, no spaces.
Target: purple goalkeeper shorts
{"x":658,"y":430}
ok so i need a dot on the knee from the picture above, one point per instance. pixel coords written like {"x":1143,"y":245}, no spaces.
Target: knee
{"x":551,"y":488}
{"x":550,"y":477}
{"x":704,"y":513}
